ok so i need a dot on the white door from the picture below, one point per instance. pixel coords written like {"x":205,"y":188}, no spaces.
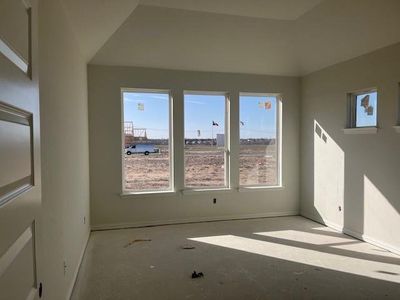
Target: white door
{"x":20,"y":197}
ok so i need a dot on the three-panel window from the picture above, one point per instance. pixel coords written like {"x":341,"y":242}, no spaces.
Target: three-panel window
{"x":147,"y":162}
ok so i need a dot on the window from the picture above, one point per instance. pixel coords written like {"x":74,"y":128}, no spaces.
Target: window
{"x":259,"y":159}
{"x":206,"y":143}
{"x":363,"y":109}
{"x":146,"y":141}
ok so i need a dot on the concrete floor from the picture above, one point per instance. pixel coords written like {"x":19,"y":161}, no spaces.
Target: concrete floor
{"x":272,"y":258}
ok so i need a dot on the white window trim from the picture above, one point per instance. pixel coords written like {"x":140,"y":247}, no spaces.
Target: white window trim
{"x":361,"y":130}
{"x":261,"y":188}
{"x":141,"y":193}
{"x":212,"y":190}
{"x":352,"y":112}
{"x":147,"y":194}
{"x":279,"y":128}
{"x":193,"y":189}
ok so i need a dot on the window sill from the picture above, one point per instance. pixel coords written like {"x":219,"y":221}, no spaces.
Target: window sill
{"x":361,"y":130}
{"x":127,"y":195}
{"x":210,"y":190}
{"x":397,"y":128}
{"x":260,"y":188}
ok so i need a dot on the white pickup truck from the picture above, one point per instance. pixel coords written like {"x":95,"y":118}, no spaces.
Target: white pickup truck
{"x":146,"y":149}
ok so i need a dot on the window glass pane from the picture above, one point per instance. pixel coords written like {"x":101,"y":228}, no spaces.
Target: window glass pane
{"x":366,"y":106}
{"x":205,"y":140}
{"x":146,"y":135}
{"x":258,"y":140}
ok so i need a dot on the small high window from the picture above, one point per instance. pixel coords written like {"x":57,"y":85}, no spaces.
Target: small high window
{"x":363,"y":109}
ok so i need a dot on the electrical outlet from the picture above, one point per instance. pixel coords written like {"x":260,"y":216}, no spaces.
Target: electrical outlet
{"x":215,"y":200}
{"x":340,"y":208}
{"x":84,"y":220}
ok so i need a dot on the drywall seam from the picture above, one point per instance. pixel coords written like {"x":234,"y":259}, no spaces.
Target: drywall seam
{"x":193,"y":220}
{"x":78,"y":265}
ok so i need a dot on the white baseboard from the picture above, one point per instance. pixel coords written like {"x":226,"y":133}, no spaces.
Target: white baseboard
{"x":192,"y":220}
{"x":352,"y":233}
{"x":372,"y":241}
{"x":76,"y":271}
{"x":334,"y":226}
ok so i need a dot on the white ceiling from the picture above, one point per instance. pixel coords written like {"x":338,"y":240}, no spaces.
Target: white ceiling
{"x":94,"y":21}
{"x":278,"y":37}
{"x":181,"y":39}
{"x":331,"y":32}
{"x":269,"y":9}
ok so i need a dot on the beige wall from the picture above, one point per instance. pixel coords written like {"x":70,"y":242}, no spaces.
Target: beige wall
{"x":65,"y":167}
{"x":109,"y":209}
{"x":358,"y":172}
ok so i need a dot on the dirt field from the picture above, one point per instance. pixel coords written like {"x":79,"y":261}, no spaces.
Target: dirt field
{"x":258,"y":165}
{"x":147,"y":172}
{"x":204,"y":166}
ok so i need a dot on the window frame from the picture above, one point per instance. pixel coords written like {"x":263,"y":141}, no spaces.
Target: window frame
{"x":188,"y":189}
{"x":171,"y":188}
{"x":279,"y":129}
{"x":352,"y":109}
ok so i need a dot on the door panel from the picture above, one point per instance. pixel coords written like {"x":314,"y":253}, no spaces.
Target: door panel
{"x":14,"y":26}
{"x":17,"y":268}
{"x":20,"y":184}
{"x":15,"y":152}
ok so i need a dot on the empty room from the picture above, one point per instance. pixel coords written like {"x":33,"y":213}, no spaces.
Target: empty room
{"x":214,"y":149}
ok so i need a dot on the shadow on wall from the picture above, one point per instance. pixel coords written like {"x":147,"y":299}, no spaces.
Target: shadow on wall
{"x":351,"y":189}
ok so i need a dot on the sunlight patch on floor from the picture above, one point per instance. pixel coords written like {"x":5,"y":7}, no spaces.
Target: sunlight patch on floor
{"x":306,"y":237}
{"x":358,"y":266}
